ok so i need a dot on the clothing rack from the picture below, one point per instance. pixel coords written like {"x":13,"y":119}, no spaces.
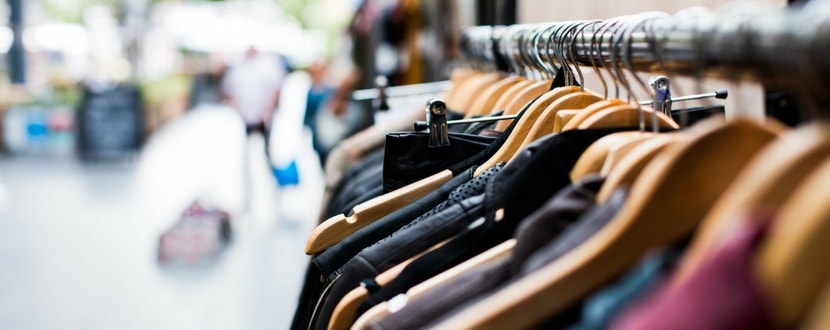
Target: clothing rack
{"x":784,"y":47}
{"x":400,"y":91}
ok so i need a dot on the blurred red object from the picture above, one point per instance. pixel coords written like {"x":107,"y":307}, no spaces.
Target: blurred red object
{"x":198,"y":237}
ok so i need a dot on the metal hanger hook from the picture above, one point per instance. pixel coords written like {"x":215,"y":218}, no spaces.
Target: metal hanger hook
{"x":577,"y":33}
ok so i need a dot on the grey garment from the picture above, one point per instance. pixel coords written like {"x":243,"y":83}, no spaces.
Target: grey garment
{"x":559,"y":213}
{"x":562,"y":211}
{"x":600,"y":309}
{"x":591,"y":222}
{"x":588,"y":225}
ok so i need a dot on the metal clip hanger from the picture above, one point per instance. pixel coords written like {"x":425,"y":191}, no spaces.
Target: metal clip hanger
{"x":718,"y":94}
{"x":423,"y":125}
{"x":436,"y":114}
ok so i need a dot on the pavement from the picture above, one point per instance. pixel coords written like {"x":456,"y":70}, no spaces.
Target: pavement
{"x":78,"y":240}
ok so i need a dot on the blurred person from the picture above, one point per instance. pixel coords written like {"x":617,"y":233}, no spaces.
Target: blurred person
{"x":321,"y":89}
{"x":252,"y":87}
{"x":338,"y":117}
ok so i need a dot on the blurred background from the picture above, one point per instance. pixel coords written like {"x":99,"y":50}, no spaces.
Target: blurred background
{"x":114,"y":120}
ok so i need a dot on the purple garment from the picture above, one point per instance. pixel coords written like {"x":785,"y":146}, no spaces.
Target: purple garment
{"x":722,"y":294}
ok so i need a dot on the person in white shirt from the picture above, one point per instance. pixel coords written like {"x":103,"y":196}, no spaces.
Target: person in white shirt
{"x":252,"y":87}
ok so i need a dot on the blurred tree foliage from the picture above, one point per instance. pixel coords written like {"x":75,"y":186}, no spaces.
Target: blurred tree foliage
{"x":72,"y":11}
{"x":299,"y":9}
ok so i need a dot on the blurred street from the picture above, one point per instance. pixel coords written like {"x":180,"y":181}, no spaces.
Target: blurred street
{"x":78,"y":240}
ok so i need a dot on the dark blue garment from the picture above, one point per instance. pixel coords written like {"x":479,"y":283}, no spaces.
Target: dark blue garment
{"x":601,"y":308}
{"x":315,"y":98}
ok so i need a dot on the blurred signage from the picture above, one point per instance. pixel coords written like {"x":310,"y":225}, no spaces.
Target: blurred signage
{"x":110,"y":122}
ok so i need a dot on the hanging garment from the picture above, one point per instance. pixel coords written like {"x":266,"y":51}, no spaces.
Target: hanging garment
{"x":355,"y":149}
{"x":722,"y":294}
{"x":562,"y":211}
{"x":340,"y":253}
{"x":520,"y":188}
{"x":324,"y":264}
{"x":360,"y":182}
{"x":442,"y":222}
{"x":409,"y":158}
{"x":601,"y":308}
{"x":405,"y":159}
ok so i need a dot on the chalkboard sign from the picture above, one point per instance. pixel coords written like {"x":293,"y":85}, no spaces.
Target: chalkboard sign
{"x":109,"y":122}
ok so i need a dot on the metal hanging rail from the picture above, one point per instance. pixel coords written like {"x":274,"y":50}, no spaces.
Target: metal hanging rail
{"x":779,"y":46}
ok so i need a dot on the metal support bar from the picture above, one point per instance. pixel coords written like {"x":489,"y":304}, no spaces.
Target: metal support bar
{"x":404,"y":90}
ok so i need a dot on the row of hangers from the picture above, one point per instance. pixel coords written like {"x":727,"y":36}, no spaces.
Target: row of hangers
{"x":478,"y":93}
{"x":680,"y":181}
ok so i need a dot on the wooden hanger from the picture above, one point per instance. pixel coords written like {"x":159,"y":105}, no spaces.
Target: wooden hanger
{"x":563,"y":117}
{"x":484,"y":102}
{"x":791,"y":264}
{"x":523,"y":97}
{"x":497,"y":253}
{"x":625,"y":115}
{"x":548,"y":97}
{"x":629,"y":167}
{"x":665,"y":203}
{"x":592,"y":160}
{"x":586,"y":112}
{"x":508,"y":95}
{"x":818,"y":318}
{"x":798,"y":240}
{"x":764,"y":185}
{"x":335,"y":229}
{"x":530,"y":118}
{"x":619,"y":152}
{"x":468,"y":93}
{"x":544,"y":123}
{"x":458,"y":79}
